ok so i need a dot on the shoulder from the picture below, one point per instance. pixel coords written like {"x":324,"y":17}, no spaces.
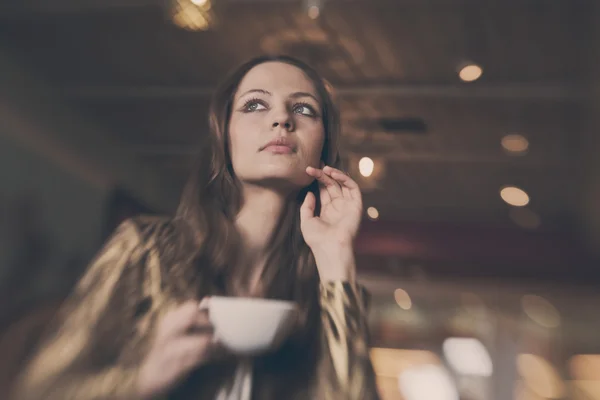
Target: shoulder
{"x":132,"y":237}
{"x":160,"y":233}
{"x":145,"y":229}
{"x":146,"y":223}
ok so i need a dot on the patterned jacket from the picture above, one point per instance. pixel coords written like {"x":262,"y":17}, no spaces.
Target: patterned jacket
{"x":96,"y":344}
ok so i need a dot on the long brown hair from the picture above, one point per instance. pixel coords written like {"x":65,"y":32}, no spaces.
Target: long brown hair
{"x":205,"y":247}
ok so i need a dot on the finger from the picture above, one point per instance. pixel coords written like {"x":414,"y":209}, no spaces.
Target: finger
{"x":307,"y":210}
{"x":323,"y":194}
{"x":345,"y":181}
{"x":181,"y":319}
{"x":201,"y":324}
{"x":331,"y":185}
{"x":191,"y":351}
{"x":341,"y":177}
{"x":335,"y":174}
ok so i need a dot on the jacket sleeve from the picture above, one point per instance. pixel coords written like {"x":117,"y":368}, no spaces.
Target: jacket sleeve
{"x":75,"y":361}
{"x":345,"y":370}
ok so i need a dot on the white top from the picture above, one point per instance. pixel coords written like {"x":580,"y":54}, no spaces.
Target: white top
{"x":241,"y":386}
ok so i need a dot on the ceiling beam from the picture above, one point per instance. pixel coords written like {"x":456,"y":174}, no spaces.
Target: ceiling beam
{"x":23,"y":7}
{"x":27,"y":7}
{"x":57,"y":6}
{"x":508,"y":91}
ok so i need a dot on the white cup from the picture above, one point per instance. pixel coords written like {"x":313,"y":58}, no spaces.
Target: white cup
{"x":249,"y":326}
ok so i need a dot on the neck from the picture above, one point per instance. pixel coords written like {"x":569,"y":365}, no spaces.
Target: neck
{"x":261,"y":210}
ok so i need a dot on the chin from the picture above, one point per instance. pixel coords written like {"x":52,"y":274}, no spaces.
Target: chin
{"x":283,"y":170}
{"x":290,"y":178}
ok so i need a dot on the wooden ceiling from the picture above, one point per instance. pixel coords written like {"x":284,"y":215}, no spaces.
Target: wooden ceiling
{"x":130,"y":70}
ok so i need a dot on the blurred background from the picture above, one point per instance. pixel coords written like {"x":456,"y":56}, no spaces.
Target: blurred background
{"x":471,"y":125}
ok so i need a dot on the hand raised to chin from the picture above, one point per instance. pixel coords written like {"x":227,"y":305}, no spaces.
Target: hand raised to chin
{"x":330,"y":235}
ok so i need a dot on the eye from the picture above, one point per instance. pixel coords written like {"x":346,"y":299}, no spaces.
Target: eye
{"x":305,"y":109}
{"x":254,"y":105}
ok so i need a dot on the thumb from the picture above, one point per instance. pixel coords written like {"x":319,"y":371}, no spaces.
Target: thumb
{"x":307,"y":210}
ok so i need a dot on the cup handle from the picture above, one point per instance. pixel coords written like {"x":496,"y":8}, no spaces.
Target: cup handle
{"x":205,"y":306}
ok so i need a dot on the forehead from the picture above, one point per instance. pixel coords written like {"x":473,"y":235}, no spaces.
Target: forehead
{"x":277,"y":77}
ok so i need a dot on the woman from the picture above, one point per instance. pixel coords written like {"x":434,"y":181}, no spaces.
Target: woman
{"x":265,"y":214}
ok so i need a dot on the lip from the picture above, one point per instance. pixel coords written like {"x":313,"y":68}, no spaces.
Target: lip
{"x":275,"y":149}
{"x":279,"y":146}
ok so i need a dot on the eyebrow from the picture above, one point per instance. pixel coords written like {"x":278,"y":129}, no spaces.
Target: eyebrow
{"x":256,"y":90}
{"x":293,"y":95}
{"x":304,"y":94}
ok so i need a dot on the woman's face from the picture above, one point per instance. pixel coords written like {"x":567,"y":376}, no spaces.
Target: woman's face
{"x":276,"y":128}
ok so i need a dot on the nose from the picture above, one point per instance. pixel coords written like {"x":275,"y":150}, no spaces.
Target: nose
{"x":284,"y":120}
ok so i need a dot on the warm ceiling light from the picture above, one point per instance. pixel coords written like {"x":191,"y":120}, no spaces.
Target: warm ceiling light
{"x":402,"y":299}
{"x":313,"y":12}
{"x":523,"y":392}
{"x":540,"y":376}
{"x":192,"y":15}
{"x":390,"y":363}
{"x":373,"y":213}
{"x":470,"y":73}
{"x":468,"y":356}
{"x":514,"y":196}
{"x":515,"y":144}
{"x":431,"y":382}
{"x":541,"y":311}
{"x":366,"y":166}
{"x":313,"y":8}
{"x":585,"y":367}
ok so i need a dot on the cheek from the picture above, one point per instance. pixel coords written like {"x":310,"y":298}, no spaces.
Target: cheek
{"x":314,"y":147}
{"x":242,"y":138}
